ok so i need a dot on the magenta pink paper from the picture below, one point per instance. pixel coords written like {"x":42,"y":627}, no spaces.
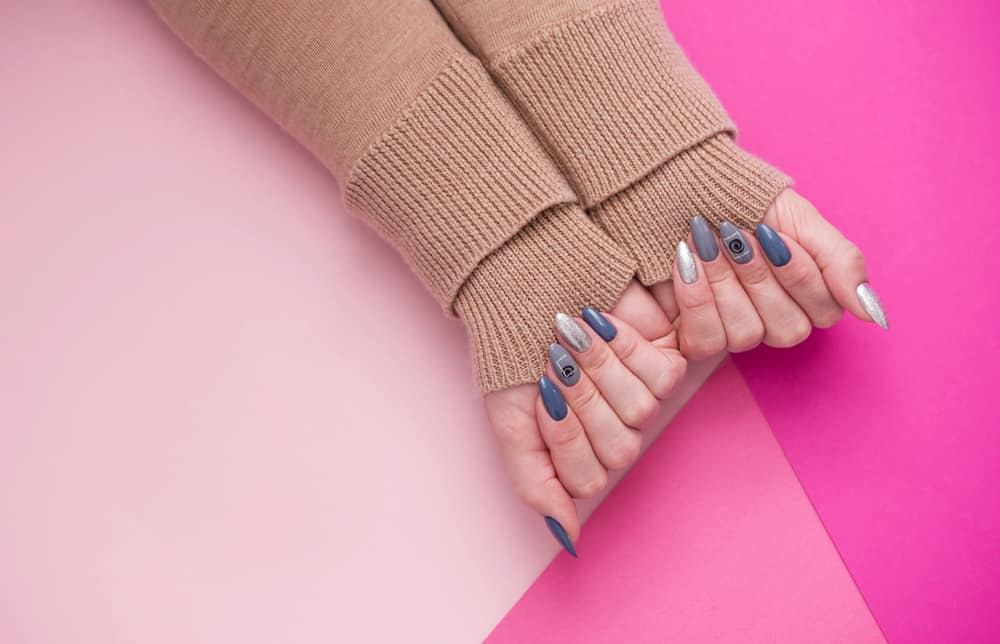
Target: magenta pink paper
{"x":708,"y":539}
{"x":888,"y":116}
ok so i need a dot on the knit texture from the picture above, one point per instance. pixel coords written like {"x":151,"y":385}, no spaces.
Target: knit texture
{"x":560,"y":261}
{"x":715,"y":179}
{"x":454,"y":178}
{"x":611,"y":94}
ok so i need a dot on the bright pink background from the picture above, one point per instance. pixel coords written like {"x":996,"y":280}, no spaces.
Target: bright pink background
{"x":887,"y":116}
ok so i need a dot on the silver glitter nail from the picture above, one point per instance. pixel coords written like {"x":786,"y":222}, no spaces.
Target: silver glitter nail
{"x":686,"y":265}
{"x":873,"y":305}
{"x":572,"y":333}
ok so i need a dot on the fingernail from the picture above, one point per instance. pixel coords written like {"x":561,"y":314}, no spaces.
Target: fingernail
{"x":773,"y":245}
{"x":559,"y":533}
{"x":704,"y":239}
{"x":564,"y":365}
{"x":552,"y":398}
{"x":736,"y":244}
{"x":685,"y":263}
{"x":600,"y":324}
{"x":873,"y":305}
{"x":572,"y":333}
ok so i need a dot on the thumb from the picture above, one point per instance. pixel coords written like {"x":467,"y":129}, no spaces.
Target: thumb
{"x":839,"y":259}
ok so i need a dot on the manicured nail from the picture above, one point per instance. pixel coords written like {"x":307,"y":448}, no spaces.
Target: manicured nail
{"x":734,"y":241}
{"x":704,"y":239}
{"x":873,"y":305}
{"x":552,"y":398}
{"x":572,"y":333}
{"x":685,"y":263}
{"x":600,"y":324}
{"x":559,"y":533}
{"x":564,"y":365}
{"x":773,"y":245}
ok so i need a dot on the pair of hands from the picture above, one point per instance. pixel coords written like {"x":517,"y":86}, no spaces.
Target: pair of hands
{"x":560,"y":440}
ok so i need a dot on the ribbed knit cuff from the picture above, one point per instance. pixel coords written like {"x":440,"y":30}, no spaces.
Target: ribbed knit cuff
{"x":455,"y":177}
{"x":561,"y":261}
{"x":612,"y":95}
{"x":715,"y":179}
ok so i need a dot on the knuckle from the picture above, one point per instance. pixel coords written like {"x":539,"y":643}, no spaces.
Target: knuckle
{"x":704,"y":346}
{"x":563,"y":434}
{"x":798,"y":275}
{"x":626,"y":345}
{"x":586,"y":401}
{"x":591,"y":486}
{"x":795,"y":333}
{"x":755,"y":274}
{"x":829,"y":317}
{"x":640,"y":410}
{"x":696,"y":299}
{"x":667,"y":379}
{"x":600,"y":358}
{"x":623,"y":454}
{"x":746,"y":338}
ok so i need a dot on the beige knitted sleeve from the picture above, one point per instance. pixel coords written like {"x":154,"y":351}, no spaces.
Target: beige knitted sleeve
{"x":638,"y":133}
{"x":429,"y":152}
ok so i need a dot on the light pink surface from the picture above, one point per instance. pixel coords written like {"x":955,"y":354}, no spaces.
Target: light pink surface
{"x":708,"y":539}
{"x":887,"y":115}
{"x":213,"y":426}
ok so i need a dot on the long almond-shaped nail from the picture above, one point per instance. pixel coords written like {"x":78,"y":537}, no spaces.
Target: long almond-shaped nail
{"x":564,"y":365}
{"x":736,"y":244}
{"x":873,"y":305}
{"x":572,"y":333}
{"x":774,"y":246}
{"x":600,"y":324}
{"x":704,"y":239}
{"x":686,"y":265}
{"x":552,"y":399}
{"x":559,"y":533}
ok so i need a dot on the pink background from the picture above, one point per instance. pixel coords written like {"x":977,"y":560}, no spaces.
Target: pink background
{"x":211,"y":429}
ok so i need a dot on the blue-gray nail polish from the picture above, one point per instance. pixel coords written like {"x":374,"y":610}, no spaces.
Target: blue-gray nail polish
{"x":599,"y":323}
{"x":559,"y":533}
{"x":564,"y":365}
{"x":552,"y":398}
{"x":736,"y":244}
{"x":774,"y":246}
{"x":704,"y":239}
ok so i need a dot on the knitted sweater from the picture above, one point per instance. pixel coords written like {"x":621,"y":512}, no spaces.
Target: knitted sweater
{"x":476,"y":136}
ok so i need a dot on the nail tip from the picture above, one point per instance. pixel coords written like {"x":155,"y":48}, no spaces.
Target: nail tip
{"x":872,"y":304}
{"x":560,"y":534}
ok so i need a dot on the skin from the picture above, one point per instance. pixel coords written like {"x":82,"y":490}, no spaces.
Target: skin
{"x":729,"y":307}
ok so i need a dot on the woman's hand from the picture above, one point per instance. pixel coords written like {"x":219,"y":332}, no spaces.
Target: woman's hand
{"x":606,"y":377}
{"x":735,"y":290}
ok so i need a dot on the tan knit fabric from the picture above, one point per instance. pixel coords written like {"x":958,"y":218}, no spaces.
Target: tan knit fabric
{"x":430,"y":154}
{"x":715,"y":179}
{"x":608,"y":90}
{"x":633,"y":126}
{"x":559,"y":262}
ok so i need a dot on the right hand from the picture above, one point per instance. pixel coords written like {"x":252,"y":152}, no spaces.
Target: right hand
{"x":620,"y":384}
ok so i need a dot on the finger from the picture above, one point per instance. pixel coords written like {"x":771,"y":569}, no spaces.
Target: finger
{"x":643,"y":312}
{"x":663,"y":293}
{"x":785,"y":324}
{"x":659,"y":370}
{"x":840,"y":261}
{"x":799,"y":275}
{"x":615,"y":445}
{"x":744,"y":328}
{"x":526,"y":458}
{"x":699,"y":326}
{"x":625,"y":392}
{"x":574,"y":460}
